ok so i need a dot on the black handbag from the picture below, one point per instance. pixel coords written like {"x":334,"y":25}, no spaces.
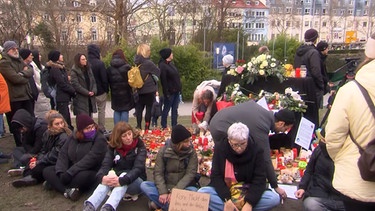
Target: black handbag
{"x":366,"y":160}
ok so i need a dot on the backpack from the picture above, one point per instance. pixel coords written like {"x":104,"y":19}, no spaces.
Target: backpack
{"x":135,"y":79}
{"x":48,"y":88}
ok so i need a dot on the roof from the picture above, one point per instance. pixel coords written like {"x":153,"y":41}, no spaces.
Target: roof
{"x":251,"y":4}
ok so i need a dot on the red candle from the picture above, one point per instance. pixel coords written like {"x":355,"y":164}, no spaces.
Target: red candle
{"x":200,"y":142}
{"x":205,"y":141}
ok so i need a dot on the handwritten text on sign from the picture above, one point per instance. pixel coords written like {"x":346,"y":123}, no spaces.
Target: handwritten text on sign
{"x":183,"y":200}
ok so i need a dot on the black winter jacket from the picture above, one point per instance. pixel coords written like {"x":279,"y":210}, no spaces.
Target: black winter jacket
{"x":52,"y":144}
{"x":133,"y":164}
{"x":98,"y":69}
{"x":147,"y":68}
{"x":82,"y":155}
{"x":58,"y":76}
{"x":170,"y":78}
{"x":249,"y":167}
{"x":121,"y":92}
{"x":317,"y":179}
{"x":309,"y":56}
{"x":32,"y":138}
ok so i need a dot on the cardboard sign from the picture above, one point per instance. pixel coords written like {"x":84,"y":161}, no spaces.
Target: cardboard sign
{"x":184,"y":200}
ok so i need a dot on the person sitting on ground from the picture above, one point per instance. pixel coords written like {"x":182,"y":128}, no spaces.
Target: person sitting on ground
{"x":31,"y":130}
{"x":79,"y":160}
{"x":238,"y":174}
{"x":175,"y":167}
{"x":53,"y":139}
{"x":204,"y":104}
{"x":126,"y":156}
{"x":316,"y":184}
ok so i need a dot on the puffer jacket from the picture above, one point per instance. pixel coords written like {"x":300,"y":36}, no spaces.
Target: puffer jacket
{"x":133,"y":163}
{"x":147,"y":68}
{"x":350,"y":112}
{"x":174,"y":173}
{"x":82,"y":101}
{"x":32,"y":138}
{"x":17,"y":79}
{"x":121,"y":92}
{"x":309,"y":56}
{"x":58,"y":76}
{"x":81,"y":155}
{"x":52,"y":144}
{"x":98,"y":69}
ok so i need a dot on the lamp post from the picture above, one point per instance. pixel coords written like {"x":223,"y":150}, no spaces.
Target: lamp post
{"x":217,"y":57}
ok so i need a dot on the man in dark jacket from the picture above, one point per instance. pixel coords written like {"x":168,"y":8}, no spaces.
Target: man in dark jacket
{"x":322,"y":47}
{"x":171,"y":84}
{"x":316,"y":185}
{"x":308,"y":55}
{"x":100,"y":75}
{"x":17,"y":74}
{"x":58,"y":77}
{"x":31,"y":131}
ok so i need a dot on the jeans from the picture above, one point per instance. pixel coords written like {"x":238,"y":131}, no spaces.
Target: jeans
{"x":120,"y":116}
{"x":170,"y":102}
{"x":150,"y":190}
{"x":116,"y":195}
{"x":268,"y":200}
{"x":322,"y":204}
{"x":1,"y":125}
{"x":101,"y":102}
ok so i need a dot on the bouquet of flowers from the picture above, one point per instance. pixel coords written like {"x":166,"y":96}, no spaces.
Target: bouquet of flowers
{"x":261,"y":66}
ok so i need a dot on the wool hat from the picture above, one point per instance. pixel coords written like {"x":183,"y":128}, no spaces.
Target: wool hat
{"x":322,"y":45}
{"x":83,"y":120}
{"x":228,"y":59}
{"x":370,"y":48}
{"x":286,"y":116}
{"x":179,"y":134}
{"x":165,"y":53}
{"x":54,"y":55}
{"x":311,"y":35}
{"x":9,"y":45}
{"x":24,"y":53}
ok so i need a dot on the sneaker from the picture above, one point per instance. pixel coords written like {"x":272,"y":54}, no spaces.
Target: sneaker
{"x":46,"y":186}
{"x":15,"y":172}
{"x":26,"y":181}
{"x":107,"y":207}
{"x":72,"y":194}
{"x":129,"y":197}
{"x":88,"y":206}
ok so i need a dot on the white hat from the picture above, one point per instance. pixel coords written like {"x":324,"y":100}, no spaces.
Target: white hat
{"x":228,"y":59}
{"x":370,"y":48}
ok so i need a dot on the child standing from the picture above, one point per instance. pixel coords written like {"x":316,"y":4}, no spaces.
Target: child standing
{"x":156,"y":110}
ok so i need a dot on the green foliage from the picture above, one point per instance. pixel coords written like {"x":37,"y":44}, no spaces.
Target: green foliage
{"x":46,"y":36}
{"x":283,"y":48}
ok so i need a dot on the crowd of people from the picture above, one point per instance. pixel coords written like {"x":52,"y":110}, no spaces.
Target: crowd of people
{"x":72,"y":160}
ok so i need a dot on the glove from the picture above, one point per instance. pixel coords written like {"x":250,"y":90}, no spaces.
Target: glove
{"x":65,"y":178}
{"x":203,"y":125}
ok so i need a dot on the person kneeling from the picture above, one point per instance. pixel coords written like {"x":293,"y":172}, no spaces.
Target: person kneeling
{"x":238,"y":175}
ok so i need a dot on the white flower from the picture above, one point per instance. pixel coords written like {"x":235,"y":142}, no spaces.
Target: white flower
{"x":261,"y":72}
{"x":239,"y":93}
{"x":236,"y":85}
{"x":268,"y":56}
{"x":264,"y":64}
{"x":273,"y":59}
{"x":273,"y":64}
{"x":261,"y":93}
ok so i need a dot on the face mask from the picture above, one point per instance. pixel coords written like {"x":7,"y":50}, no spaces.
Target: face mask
{"x":90,"y":134}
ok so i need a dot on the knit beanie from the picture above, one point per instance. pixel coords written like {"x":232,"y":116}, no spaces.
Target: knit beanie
{"x":24,"y":53}
{"x":179,"y":134}
{"x":370,"y":48}
{"x":286,"y":116}
{"x":83,"y":120}
{"x":54,"y":55}
{"x":228,"y":59}
{"x":165,"y":53}
{"x":9,"y":45}
{"x":311,"y":35}
{"x":322,"y":45}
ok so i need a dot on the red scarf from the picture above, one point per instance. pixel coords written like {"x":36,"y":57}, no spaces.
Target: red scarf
{"x":126,"y":148}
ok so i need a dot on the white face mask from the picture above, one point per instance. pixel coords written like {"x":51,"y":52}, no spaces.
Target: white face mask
{"x":157,"y":99}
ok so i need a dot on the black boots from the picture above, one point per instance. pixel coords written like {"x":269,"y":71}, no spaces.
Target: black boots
{"x":26,"y":181}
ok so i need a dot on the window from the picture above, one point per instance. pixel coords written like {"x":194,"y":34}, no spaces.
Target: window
{"x":365,"y":12}
{"x":350,"y":12}
{"x":325,"y":1}
{"x":299,"y":11}
{"x":366,"y":3}
{"x":76,"y":4}
{"x":94,"y":35}
{"x":92,"y":2}
{"x":288,"y":10}
{"x":316,"y":24}
{"x":287,"y":24}
{"x":324,"y":24}
{"x":317,"y":11}
{"x":342,"y":12}
{"x":308,"y":1}
{"x":324,"y":11}
{"x":307,"y":23}
{"x":79,"y":18}
{"x":307,"y":11}
{"x":64,"y":35}
{"x":79,"y":34}
{"x":45,"y":16}
{"x":364,"y":24}
{"x":259,"y":25}
{"x":247,"y":2}
{"x":93,"y":18}
{"x":351,"y":2}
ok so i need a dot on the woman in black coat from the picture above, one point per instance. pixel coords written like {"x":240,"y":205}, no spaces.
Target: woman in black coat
{"x":79,"y":160}
{"x":121,"y":93}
